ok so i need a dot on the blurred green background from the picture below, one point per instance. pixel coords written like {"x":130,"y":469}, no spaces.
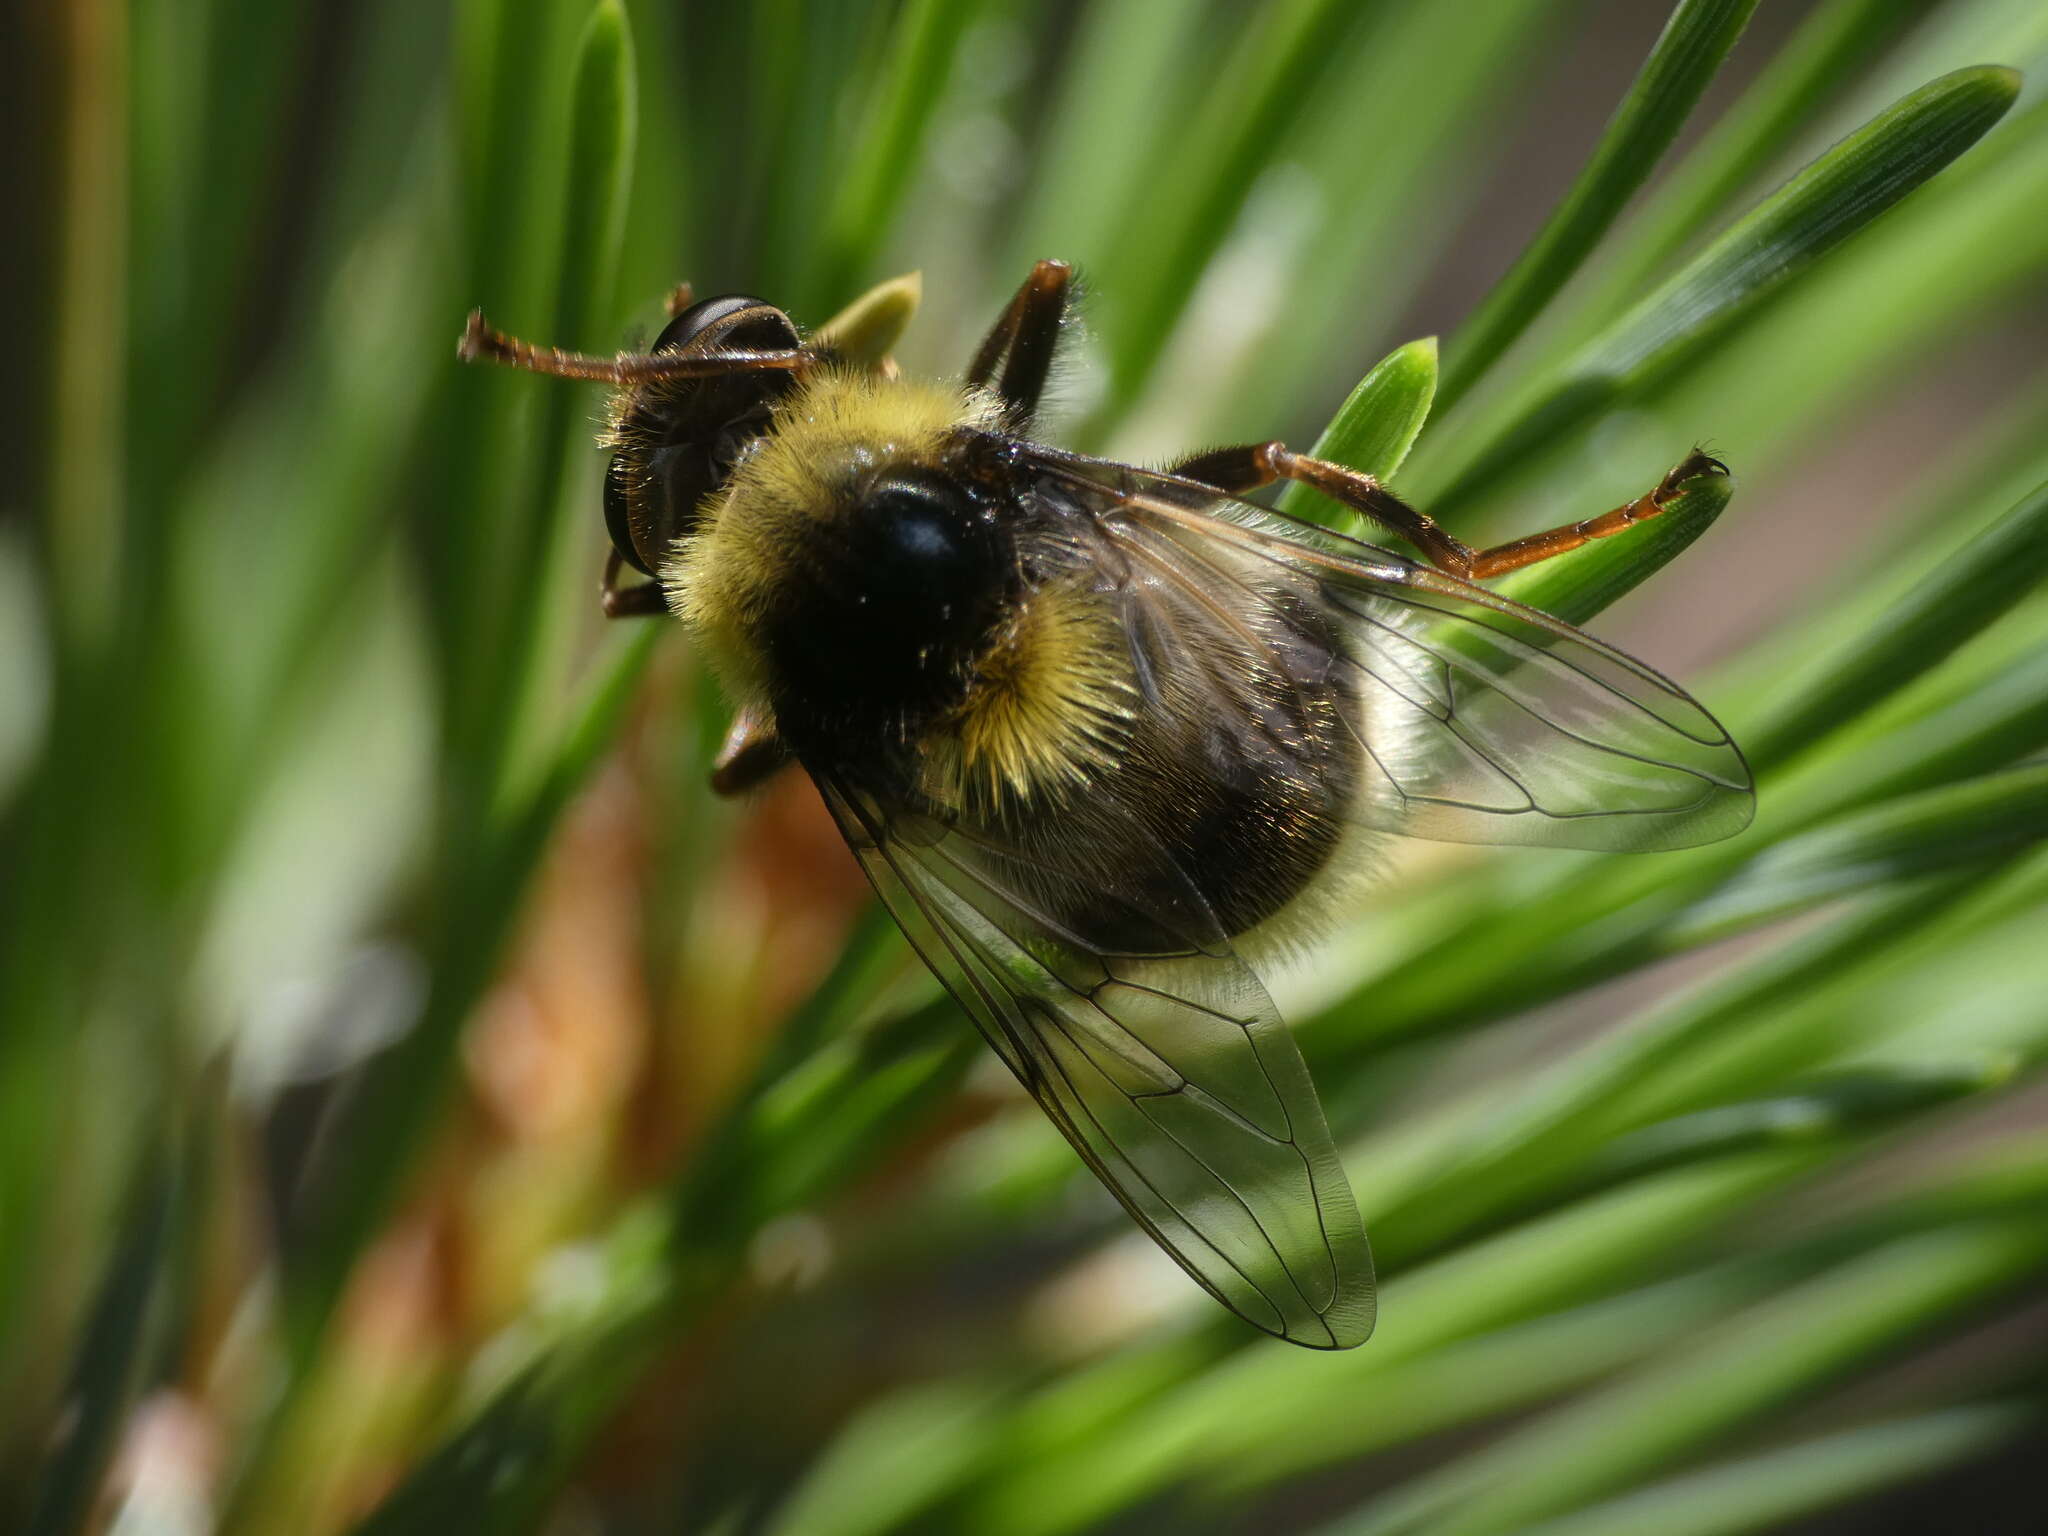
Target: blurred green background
{"x":423,"y":1107}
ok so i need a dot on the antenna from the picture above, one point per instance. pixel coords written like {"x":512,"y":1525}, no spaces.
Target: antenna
{"x":480,"y":342}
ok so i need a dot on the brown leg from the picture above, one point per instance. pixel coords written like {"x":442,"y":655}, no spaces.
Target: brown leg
{"x":752,"y":753}
{"x":680,"y":298}
{"x":1025,"y":339}
{"x":635,"y":602}
{"x":1237,"y":470}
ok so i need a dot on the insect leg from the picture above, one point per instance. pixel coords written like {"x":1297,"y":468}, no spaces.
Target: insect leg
{"x":1237,"y":470}
{"x":1531,"y":548}
{"x":1231,"y":470}
{"x":680,"y":298}
{"x":751,"y":754}
{"x":1024,"y":340}
{"x":642,"y":601}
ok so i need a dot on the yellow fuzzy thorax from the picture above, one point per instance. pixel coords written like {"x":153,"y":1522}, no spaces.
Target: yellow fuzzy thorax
{"x":1044,"y":707}
{"x":838,"y":426}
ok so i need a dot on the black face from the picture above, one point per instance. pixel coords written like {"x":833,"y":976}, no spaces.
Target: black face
{"x":904,"y":593}
{"x":684,"y":435}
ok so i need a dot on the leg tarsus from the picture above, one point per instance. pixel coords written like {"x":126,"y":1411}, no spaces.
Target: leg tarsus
{"x":640,"y":601}
{"x":1695,"y":464}
{"x":1536,"y":547}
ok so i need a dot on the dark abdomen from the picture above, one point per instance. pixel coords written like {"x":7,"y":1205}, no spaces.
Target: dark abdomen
{"x":1238,"y":801}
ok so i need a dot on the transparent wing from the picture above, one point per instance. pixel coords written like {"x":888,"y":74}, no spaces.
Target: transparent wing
{"x":1480,"y":720}
{"x":1161,"y":1060}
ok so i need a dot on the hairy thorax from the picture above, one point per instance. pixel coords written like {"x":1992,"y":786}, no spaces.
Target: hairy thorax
{"x":919,"y":620}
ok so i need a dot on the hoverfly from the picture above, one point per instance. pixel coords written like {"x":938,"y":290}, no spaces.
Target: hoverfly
{"x":1096,"y":731}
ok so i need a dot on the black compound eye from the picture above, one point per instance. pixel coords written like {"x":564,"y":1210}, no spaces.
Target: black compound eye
{"x":618,"y":517}
{"x":768,"y":331}
{"x":683,"y":438}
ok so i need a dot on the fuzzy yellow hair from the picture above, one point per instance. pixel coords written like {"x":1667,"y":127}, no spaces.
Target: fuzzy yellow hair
{"x":1047,"y":709}
{"x":836,"y":427}
{"x":1045,"y":706}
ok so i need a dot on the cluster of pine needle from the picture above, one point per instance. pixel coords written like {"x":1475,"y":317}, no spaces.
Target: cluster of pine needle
{"x":423,"y":1107}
